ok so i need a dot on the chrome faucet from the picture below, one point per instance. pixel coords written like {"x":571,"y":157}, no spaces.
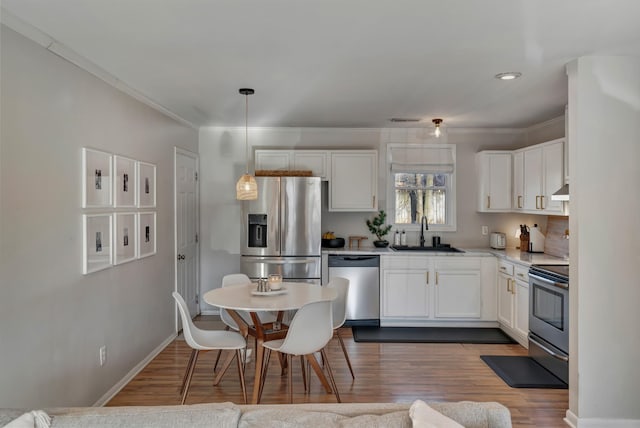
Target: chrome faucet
{"x":424,"y":225}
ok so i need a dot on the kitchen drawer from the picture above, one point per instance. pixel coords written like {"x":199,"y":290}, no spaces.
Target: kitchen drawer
{"x":457,"y":263}
{"x":522,"y":273}
{"x":505,"y":267}
{"x":405,"y":262}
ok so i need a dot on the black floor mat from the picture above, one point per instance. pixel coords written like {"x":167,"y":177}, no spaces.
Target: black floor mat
{"x":430,"y":335}
{"x":522,"y":372}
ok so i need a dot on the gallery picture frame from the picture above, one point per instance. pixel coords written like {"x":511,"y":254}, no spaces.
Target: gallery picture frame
{"x":97,"y":172}
{"x":97,"y":242}
{"x":146,"y":185}
{"x":125,"y":237}
{"x":146,"y":234}
{"x":125,"y":181}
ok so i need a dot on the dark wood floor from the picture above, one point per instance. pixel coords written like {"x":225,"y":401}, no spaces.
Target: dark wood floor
{"x":386,"y":372}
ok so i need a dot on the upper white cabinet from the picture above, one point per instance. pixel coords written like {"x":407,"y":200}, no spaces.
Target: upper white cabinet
{"x":521,"y":180}
{"x":518,"y":181}
{"x":494,"y":172}
{"x":543,"y":174}
{"x":352,"y":174}
{"x":353,"y":184}
{"x":315,"y":161}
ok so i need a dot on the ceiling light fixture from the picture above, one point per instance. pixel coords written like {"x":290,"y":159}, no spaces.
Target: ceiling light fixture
{"x":508,"y":76}
{"x":246,"y":187}
{"x":437,"y":132}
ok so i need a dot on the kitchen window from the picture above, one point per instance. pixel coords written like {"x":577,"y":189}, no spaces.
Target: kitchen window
{"x":422,"y":182}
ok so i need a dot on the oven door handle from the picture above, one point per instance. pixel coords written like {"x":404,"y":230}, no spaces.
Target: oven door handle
{"x":549,"y":351}
{"x":547,"y":281}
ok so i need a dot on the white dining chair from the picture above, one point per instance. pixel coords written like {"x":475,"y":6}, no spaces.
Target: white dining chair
{"x":309,"y":332}
{"x":339,"y":310}
{"x":207,"y":340}
{"x":230,"y":323}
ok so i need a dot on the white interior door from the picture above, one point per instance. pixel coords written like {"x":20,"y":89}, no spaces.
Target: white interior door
{"x":186,"y":229}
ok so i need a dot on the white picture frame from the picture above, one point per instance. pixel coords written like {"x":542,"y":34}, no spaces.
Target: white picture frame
{"x":124,"y":182}
{"x":96,"y":178}
{"x":97,"y":241}
{"x":146,"y":185}
{"x":146,"y":234}
{"x":125,"y":238}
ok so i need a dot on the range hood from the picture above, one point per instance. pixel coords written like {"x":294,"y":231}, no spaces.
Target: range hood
{"x":562,"y":194}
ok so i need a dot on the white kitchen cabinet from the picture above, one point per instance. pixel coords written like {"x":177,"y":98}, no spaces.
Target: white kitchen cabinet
{"x":518,"y":181}
{"x":423,"y":290}
{"x":494,"y":183}
{"x":316,"y":161}
{"x":404,"y":293}
{"x":278,"y":160}
{"x":513,"y":301}
{"x":458,"y":288}
{"x":353,"y":185}
{"x":543,"y":174}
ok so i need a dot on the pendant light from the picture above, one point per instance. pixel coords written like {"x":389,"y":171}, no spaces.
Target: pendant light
{"x":246,"y":187}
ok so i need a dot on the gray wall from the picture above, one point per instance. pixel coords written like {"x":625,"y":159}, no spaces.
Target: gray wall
{"x":604,"y":113}
{"x":222,"y":152}
{"x":53,"y":319}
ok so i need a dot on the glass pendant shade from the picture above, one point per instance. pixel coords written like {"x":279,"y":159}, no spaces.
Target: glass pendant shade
{"x":247,"y":188}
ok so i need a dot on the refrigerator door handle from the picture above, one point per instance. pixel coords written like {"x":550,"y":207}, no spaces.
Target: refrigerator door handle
{"x":281,"y":262}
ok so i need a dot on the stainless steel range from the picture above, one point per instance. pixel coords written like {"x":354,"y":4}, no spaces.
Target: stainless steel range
{"x":549,"y":318}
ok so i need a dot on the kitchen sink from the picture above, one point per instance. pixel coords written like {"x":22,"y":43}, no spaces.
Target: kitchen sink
{"x":440,"y":249}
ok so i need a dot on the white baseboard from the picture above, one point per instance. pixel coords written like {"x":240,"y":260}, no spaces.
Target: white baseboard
{"x":575,"y":422}
{"x":134,"y":371}
{"x":209,"y":312}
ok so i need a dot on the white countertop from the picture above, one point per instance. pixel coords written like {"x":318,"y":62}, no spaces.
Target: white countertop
{"x":510,"y":254}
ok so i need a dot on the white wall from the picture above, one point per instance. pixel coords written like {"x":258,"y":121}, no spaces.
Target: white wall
{"x":53,"y":319}
{"x":222,"y":152}
{"x":604,"y":118}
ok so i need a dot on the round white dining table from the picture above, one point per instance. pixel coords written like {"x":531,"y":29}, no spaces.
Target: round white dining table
{"x":293,"y":295}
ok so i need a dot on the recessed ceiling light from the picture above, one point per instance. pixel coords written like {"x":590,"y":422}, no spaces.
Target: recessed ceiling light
{"x":509,"y":75}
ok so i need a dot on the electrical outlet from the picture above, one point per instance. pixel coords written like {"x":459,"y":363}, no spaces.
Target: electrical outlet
{"x":485,"y":230}
{"x":103,"y":355}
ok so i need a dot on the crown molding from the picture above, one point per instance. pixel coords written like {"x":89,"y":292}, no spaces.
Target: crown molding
{"x":64,"y":52}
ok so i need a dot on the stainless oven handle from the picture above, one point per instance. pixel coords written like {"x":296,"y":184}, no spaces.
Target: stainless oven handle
{"x":549,"y":351}
{"x":547,"y":281}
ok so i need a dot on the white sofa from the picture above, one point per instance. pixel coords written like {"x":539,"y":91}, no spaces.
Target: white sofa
{"x":349,"y":415}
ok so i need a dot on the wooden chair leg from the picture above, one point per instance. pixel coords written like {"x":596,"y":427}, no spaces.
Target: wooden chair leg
{"x":331,"y":378}
{"x":344,"y":351}
{"x":189,"y":375}
{"x":186,"y":372}
{"x":304,"y":375}
{"x":241,"y":373}
{"x":265,"y":366}
{"x":290,"y":375}
{"x":215,"y":366}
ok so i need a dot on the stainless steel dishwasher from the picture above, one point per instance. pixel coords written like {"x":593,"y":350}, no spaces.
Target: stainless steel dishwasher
{"x":363,"y":273}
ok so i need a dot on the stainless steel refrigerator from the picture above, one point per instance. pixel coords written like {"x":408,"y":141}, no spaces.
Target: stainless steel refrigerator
{"x":281,"y":230}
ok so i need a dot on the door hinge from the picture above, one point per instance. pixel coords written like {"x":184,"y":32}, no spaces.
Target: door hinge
{"x":196,"y":237}
{"x":197,"y":299}
{"x":196,"y":175}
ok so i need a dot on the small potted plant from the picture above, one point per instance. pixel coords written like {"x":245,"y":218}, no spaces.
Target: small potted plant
{"x":378,"y":228}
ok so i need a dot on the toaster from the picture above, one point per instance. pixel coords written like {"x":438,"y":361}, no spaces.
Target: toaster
{"x":498,"y":241}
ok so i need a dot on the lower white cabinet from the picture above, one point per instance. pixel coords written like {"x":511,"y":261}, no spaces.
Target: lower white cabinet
{"x":421,"y":290}
{"x":513,"y":300}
